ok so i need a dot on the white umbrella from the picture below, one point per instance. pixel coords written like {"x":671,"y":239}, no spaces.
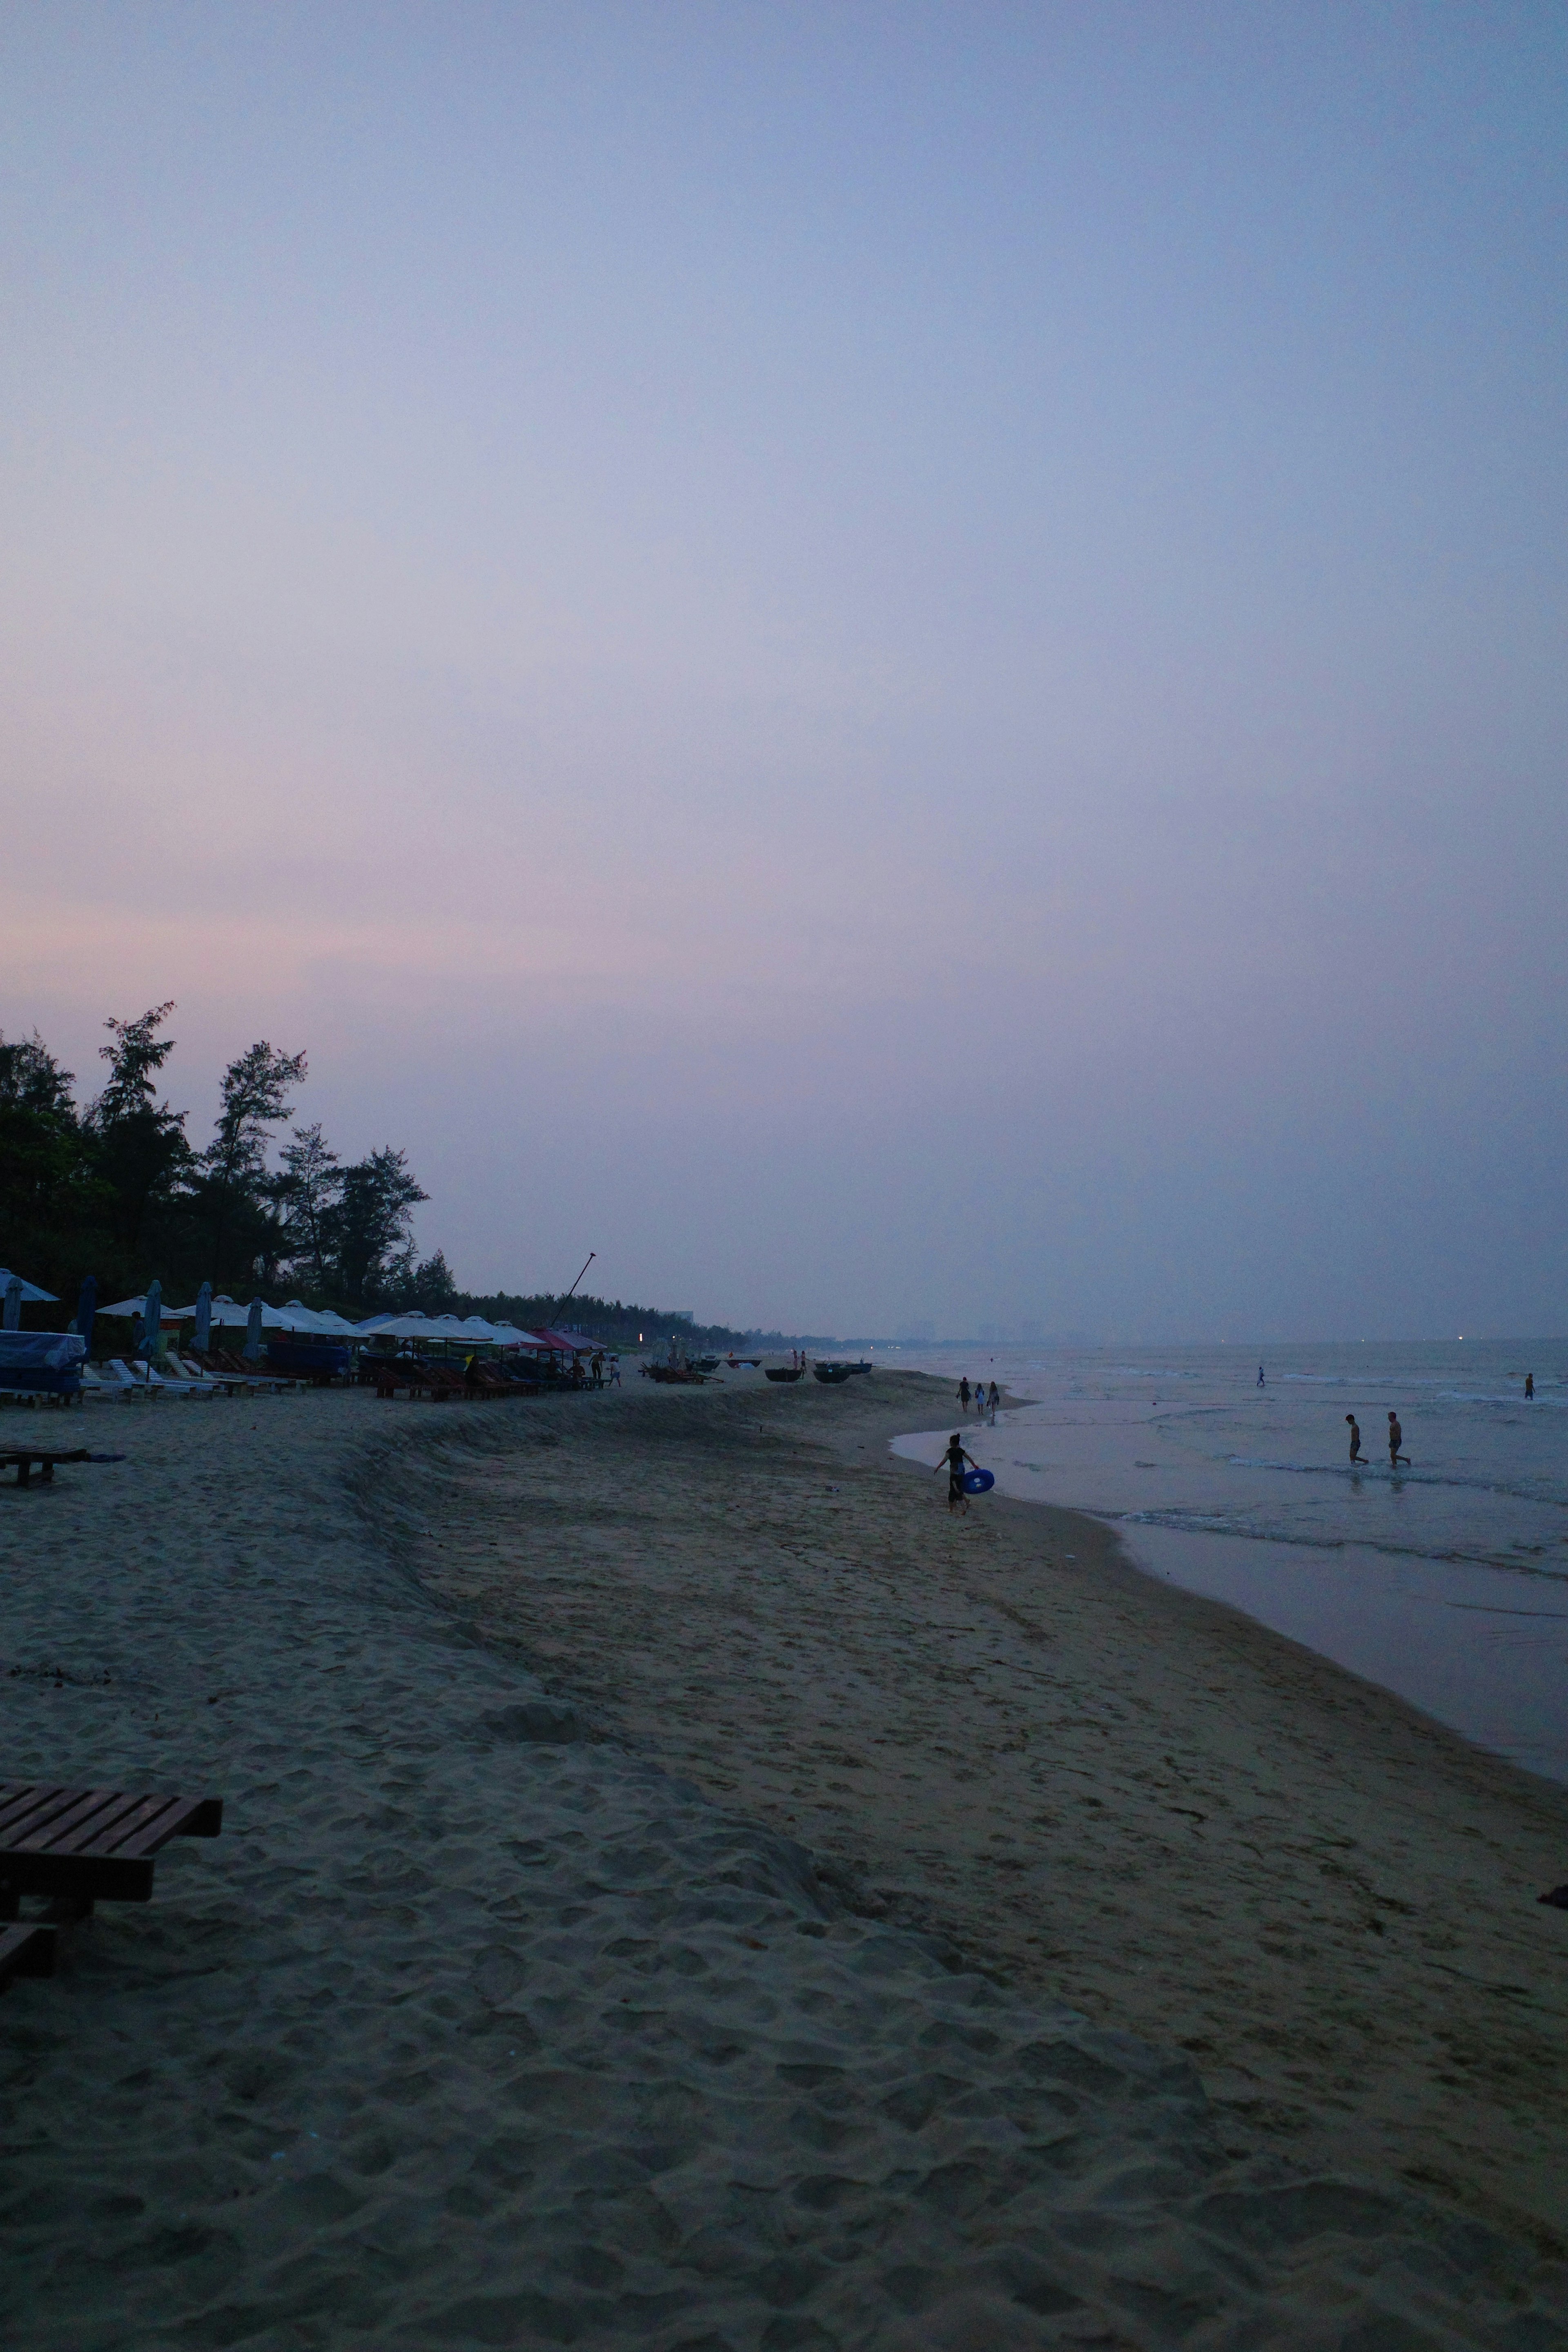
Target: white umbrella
{"x":13,"y":1316}
{"x":226,"y":1310}
{"x":252,"y":1351}
{"x":31,"y":1295}
{"x":202,"y":1335}
{"x":152,"y":1320}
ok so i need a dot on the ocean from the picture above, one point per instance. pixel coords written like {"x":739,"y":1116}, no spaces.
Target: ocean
{"x":1446,"y":1580}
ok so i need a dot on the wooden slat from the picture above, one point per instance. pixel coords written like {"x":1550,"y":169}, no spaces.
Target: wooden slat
{"x":94,"y":1810}
{"x":57,"y":1807}
{"x":149,"y":1825}
{"x":18,"y":1798}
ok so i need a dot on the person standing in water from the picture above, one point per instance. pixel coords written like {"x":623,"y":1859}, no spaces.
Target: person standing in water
{"x":1395,"y":1440}
{"x":996,"y":1401}
{"x":963,"y":1391}
{"x":952,"y":1462}
{"x":1357,"y":1457}
{"x":1529,"y":1385}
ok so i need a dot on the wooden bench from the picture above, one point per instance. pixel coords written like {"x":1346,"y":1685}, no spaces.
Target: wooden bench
{"x":84,"y":1846}
{"x":24,"y":1457}
{"x":26,"y":1952}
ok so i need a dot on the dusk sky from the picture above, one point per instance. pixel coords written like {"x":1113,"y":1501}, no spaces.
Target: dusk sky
{"x":885,"y":662}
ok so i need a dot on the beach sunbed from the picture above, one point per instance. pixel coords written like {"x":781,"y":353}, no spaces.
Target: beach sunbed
{"x":159,"y":1383}
{"x":83,"y":1846}
{"x":25,"y":1458}
{"x":211,"y":1383}
{"x":118,"y":1374}
{"x":27,"y":1950}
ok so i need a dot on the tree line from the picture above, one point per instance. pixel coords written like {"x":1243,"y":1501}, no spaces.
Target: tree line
{"x":116,"y":1188}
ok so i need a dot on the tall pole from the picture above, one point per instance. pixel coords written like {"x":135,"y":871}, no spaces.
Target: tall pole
{"x":587,"y":1262}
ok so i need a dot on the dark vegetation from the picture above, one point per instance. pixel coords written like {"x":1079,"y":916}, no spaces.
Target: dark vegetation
{"x":115,"y":1188}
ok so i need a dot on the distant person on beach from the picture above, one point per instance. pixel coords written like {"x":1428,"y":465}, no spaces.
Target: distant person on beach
{"x":952,"y":1462}
{"x":1395,"y":1440}
{"x":1528,"y":1384}
{"x":614,"y":1371}
{"x":1356,"y":1454}
{"x":996,"y":1401}
{"x":963,"y":1391}
{"x":1261,"y":1381}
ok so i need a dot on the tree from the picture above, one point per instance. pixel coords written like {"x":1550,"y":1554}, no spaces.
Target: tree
{"x":254,"y":1099}
{"x":307,"y":1190}
{"x":139,"y":1144}
{"x":372,"y":1223}
{"x":430,"y":1287}
{"x":44,"y":1174}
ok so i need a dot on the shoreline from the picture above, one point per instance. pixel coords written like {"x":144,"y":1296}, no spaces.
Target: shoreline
{"x":480,"y":2023}
{"x":1223,"y":1840}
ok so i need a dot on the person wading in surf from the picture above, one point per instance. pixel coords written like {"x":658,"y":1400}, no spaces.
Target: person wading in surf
{"x":952,"y":1462}
{"x":1395,"y":1440}
{"x":1356,"y":1454}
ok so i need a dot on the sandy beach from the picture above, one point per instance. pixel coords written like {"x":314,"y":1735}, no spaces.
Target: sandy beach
{"x":679,"y":1887}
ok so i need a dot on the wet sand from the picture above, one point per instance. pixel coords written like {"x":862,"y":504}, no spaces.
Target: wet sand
{"x":501,"y":2015}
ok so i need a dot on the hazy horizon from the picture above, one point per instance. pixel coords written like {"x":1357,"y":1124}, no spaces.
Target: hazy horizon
{"x":886,"y":664}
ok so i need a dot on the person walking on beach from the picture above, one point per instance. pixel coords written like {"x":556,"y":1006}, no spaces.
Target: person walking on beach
{"x":996,"y":1401}
{"x":952,"y":1462}
{"x":1395,"y":1440}
{"x":963,"y":1391}
{"x":1357,"y":1457}
{"x":614,"y":1371}
{"x":1261,"y":1381}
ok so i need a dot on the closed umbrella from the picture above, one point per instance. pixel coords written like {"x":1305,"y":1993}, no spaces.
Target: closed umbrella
{"x":252,"y":1351}
{"x":14,"y":1303}
{"x":85,"y":1309}
{"x":201,"y":1338}
{"x":153,"y":1321}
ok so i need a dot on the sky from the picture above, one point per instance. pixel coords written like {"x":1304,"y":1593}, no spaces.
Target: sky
{"x":886,"y":662}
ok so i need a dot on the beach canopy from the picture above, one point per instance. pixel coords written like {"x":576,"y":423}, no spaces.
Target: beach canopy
{"x":138,"y":1306}
{"x":321,"y":1320}
{"x":563,"y":1344}
{"x":31,"y":1295}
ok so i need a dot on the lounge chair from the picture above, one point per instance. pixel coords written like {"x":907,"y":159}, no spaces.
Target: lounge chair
{"x":160,"y":1384}
{"x":118,"y":1376}
{"x":24,"y":1459}
{"x":82,"y":1846}
{"x":207,"y":1383}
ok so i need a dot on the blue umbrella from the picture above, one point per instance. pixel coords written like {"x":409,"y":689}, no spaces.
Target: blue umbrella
{"x":252,"y":1351}
{"x":201,"y":1338}
{"x":153,"y":1321}
{"x":86,"y":1309}
{"x":14,"y":1303}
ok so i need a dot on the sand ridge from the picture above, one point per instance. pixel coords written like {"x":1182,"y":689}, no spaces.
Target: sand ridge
{"x":478,"y":2027}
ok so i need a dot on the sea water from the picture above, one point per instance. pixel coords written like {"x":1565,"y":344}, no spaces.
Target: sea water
{"x":1446,"y":1581}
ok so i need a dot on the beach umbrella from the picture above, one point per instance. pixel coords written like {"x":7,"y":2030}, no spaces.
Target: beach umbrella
{"x":85,"y":1309}
{"x":252,"y":1351}
{"x":14,"y":1303}
{"x":152,"y":1320}
{"x":31,"y":1295}
{"x":201,"y":1338}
